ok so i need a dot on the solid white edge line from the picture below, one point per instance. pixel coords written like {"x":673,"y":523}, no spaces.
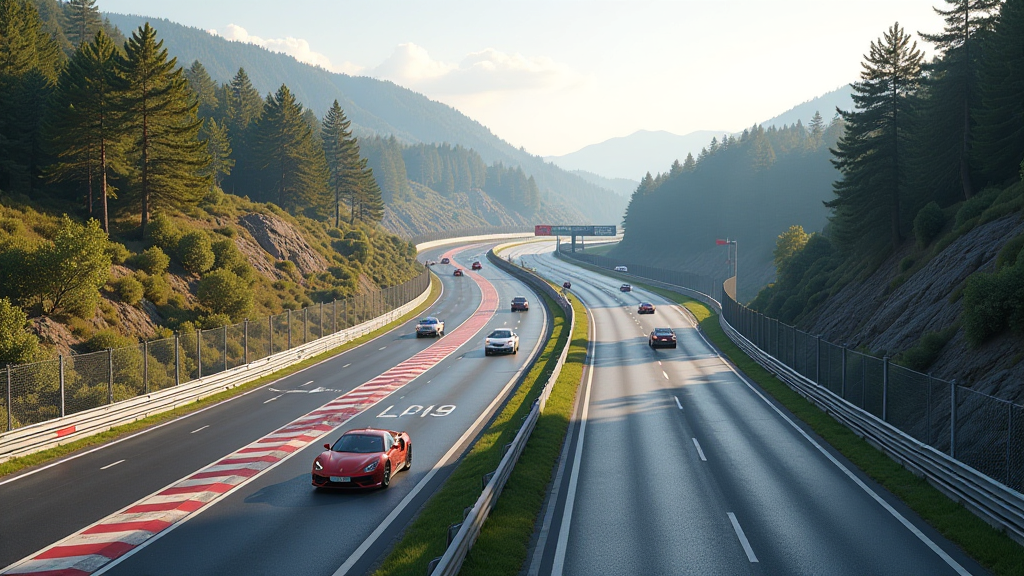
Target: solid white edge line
{"x":201,"y":410}
{"x":743,"y":537}
{"x":111,"y":465}
{"x":570,"y":496}
{"x":699,"y":451}
{"x":376,"y":534}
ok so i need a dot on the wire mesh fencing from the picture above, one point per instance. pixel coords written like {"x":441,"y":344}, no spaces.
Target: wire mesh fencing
{"x":74,"y":383}
{"x":982,"y":431}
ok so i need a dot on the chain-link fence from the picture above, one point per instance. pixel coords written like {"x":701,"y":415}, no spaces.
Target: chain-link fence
{"x":982,"y":431}
{"x":70,"y":384}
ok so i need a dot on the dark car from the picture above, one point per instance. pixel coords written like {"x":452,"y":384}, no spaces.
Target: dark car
{"x":645,"y":308}
{"x":566,"y":284}
{"x":445,"y":261}
{"x":365,"y":458}
{"x":477,"y":265}
{"x":458,"y":272}
{"x":625,"y":288}
{"x":520,"y":304}
{"x":662,"y":338}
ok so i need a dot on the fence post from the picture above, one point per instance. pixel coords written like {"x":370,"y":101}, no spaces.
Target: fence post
{"x":270,"y":322}
{"x":110,"y":375}
{"x":245,"y":342}
{"x":199,"y":350}
{"x":10,"y":408}
{"x":952,"y":419}
{"x":60,"y":359}
{"x":1009,"y":436}
{"x":145,"y":365}
{"x":289,"y":329}
{"x":885,"y":389}
{"x":334,"y":316}
{"x":843,"y":389}
{"x":177,"y":361}
{"x":225,"y":347}
{"x":321,"y":321}
{"x":305,"y":324}
{"x":817,"y":359}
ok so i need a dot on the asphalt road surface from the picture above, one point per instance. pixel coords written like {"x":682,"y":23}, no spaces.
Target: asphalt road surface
{"x":675,"y":464}
{"x":277,"y":523}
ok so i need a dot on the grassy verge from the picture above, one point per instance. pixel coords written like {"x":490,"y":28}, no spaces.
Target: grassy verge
{"x":45,"y":456}
{"x":989,"y":546}
{"x":424,"y":538}
{"x":502,"y":545}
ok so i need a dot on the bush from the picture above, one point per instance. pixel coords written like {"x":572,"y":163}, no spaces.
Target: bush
{"x":923,"y":354}
{"x":211,"y":321}
{"x":993,"y":303}
{"x":906,"y":264}
{"x":195,"y":252}
{"x":286,"y":266}
{"x":975,"y":206}
{"x":107,"y":339}
{"x":117,"y":252}
{"x":164,"y":233}
{"x":223,"y":292}
{"x":17,"y":344}
{"x":152,"y":261}
{"x":67,"y":273}
{"x":228,"y":231}
{"x":156,"y":289}
{"x":129,"y":290}
{"x":1010,"y":254}
{"x":928,"y":223}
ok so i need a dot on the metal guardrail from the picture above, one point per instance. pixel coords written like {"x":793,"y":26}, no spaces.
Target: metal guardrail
{"x":994,"y":502}
{"x":451,"y":562}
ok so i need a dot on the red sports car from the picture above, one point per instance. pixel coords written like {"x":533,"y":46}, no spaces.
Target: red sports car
{"x":365,"y":458}
{"x":477,"y":265}
{"x":645,"y":308}
{"x":458,"y":272}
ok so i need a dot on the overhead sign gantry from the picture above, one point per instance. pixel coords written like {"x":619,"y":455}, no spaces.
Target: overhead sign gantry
{"x":573,"y":231}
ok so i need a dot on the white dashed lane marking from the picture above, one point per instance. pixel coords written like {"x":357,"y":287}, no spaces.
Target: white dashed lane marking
{"x":199,"y":429}
{"x":111,"y":465}
{"x":699,"y":451}
{"x":678,"y":403}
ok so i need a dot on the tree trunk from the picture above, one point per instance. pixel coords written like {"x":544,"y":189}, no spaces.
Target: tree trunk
{"x":965,"y":167}
{"x":88,"y":178}
{"x":103,"y":180}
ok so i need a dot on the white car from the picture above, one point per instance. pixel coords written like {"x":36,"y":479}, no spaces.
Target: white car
{"x":501,"y":341}
{"x":621,"y":269}
{"x":429,"y":326}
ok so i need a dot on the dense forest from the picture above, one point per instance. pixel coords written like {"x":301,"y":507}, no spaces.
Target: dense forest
{"x":136,"y":152}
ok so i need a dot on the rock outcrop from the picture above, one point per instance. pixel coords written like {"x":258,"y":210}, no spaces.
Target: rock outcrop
{"x":283,"y":242}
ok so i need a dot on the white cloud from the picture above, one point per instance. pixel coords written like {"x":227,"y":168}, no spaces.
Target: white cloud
{"x":298,"y":48}
{"x":488,"y":70}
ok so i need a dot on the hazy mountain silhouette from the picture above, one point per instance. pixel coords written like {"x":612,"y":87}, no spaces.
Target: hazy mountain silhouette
{"x":632,"y":156}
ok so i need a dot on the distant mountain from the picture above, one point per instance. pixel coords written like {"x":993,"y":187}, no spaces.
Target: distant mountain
{"x":825,"y":104}
{"x":633,"y":156}
{"x":376,"y":106}
{"x":623,"y":186}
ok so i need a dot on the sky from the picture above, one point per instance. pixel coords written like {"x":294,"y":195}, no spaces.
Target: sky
{"x":553,"y":76}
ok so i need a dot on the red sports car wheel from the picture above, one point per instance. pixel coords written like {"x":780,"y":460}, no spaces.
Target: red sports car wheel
{"x":387,"y":476}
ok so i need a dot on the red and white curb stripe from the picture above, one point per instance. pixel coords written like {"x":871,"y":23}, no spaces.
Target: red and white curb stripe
{"x":94,"y":547}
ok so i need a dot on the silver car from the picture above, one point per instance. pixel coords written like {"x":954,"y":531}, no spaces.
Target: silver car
{"x":429,"y":326}
{"x":501,"y":341}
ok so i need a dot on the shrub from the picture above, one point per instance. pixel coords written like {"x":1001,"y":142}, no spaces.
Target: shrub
{"x":156,"y":289}
{"x":117,"y":252}
{"x":163,"y":233}
{"x":1010,"y":253}
{"x":928,"y":223}
{"x":228,"y":231}
{"x":152,"y":261}
{"x":223,"y":292}
{"x":67,"y":273}
{"x":17,"y":344}
{"x":923,"y":354}
{"x":129,"y":290}
{"x":286,"y":266}
{"x":214,"y":321}
{"x":906,"y":264}
{"x":195,"y":252}
{"x":107,"y":339}
{"x":975,"y":206}
{"x":992,"y":303}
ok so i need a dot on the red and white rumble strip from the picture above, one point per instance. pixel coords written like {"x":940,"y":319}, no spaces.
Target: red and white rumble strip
{"x":118,"y":534}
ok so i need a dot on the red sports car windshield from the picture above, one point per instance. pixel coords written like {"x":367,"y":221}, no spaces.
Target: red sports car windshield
{"x":359,"y":444}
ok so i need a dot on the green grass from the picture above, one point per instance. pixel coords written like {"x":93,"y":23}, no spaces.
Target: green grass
{"x":990,"y":547}
{"x":424,"y":538}
{"x":601,"y":250}
{"x":502,"y":546}
{"x":17,"y":464}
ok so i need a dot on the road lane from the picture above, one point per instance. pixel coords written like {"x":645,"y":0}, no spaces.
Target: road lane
{"x":765,"y":501}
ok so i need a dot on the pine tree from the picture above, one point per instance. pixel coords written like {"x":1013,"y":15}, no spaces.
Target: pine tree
{"x":371,"y":199}
{"x":161,"y":119}
{"x":290,"y":157}
{"x":244,"y":108}
{"x":204,"y":88}
{"x":218,"y":145}
{"x":83,"y":20}
{"x":870,"y":155}
{"x":689,"y":164}
{"x":343,"y":161}
{"x":676,"y":169}
{"x":85,"y":121}
{"x":952,"y":90}
{"x":999,"y":137}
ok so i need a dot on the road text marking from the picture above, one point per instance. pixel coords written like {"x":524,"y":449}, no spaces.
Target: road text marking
{"x":742,"y":537}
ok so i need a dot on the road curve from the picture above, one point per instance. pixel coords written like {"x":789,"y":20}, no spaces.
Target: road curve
{"x":263,"y":516}
{"x":678,"y":465}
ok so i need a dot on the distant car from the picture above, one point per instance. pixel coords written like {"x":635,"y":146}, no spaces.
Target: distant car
{"x":566,"y":284}
{"x":365,"y":458}
{"x":458,"y":272}
{"x":477,"y":265}
{"x":621,"y":269}
{"x":645,"y":308}
{"x":429,"y":326}
{"x":445,"y":261}
{"x":662,"y":338}
{"x":431,"y":262}
{"x":501,"y":341}
{"x":520,"y":304}
{"x":625,"y":288}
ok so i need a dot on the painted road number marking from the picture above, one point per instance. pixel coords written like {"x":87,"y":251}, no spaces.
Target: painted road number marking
{"x":415,"y":409}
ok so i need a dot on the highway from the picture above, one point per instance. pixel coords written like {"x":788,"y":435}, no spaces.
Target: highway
{"x":120,"y":509}
{"x":676,"y":464}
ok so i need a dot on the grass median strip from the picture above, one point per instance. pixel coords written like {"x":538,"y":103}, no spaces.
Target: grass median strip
{"x":424,"y":538}
{"x":989,"y":546}
{"x":17,"y":464}
{"x":503,"y":543}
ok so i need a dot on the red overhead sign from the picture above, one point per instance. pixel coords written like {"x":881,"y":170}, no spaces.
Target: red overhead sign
{"x":541,"y":230}
{"x":721,"y":242}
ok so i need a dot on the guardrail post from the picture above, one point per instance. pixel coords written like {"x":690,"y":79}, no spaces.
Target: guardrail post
{"x":289,"y":329}
{"x":225,"y":347}
{"x":952,"y":418}
{"x":145,"y":365}
{"x":10,"y":408}
{"x":245,"y":341}
{"x":199,"y":350}
{"x":885,"y":389}
{"x":843,"y":394}
{"x":60,"y":360}
{"x":177,"y":361}
{"x":110,"y":375}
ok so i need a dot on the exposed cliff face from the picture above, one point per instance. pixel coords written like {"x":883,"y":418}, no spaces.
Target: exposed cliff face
{"x":866,"y":313}
{"x":283,"y":242}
